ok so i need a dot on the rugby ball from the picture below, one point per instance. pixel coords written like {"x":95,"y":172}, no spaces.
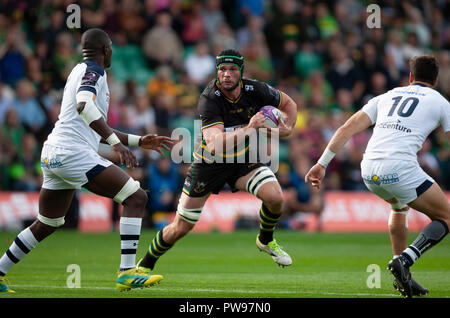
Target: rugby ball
{"x":272,"y":115}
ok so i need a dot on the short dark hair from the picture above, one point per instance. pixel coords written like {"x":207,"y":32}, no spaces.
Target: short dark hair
{"x":424,"y":68}
{"x":94,"y":39}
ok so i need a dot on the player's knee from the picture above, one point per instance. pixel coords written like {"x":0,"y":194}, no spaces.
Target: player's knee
{"x":274,"y":201}
{"x":128,"y":190}
{"x":137,"y":201}
{"x":41,"y":230}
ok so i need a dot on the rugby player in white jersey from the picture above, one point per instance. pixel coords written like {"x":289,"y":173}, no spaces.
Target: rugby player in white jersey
{"x":403,"y":119}
{"x":70,"y":160}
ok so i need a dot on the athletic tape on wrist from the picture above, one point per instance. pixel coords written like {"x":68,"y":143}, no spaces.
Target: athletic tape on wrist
{"x":133,"y":140}
{"x":326,"y":157}
{"x":90,"y":112}
{"x":113,"y":139}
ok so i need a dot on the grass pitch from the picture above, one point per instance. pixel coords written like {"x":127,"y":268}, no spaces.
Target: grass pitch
{"x":225,"y":266}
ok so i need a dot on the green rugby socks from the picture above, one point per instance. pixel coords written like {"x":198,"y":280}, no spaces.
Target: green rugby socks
{"x":268,"y":221}
{"x":156,"y":249}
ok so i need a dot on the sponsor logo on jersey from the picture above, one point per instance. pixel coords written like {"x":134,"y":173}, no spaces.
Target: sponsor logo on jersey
{"x":394,"y":125}
{"x":251,"y":111}
{"x":90,"y":78}
{"x":388,"y":178}
{"x":249,"y":88}
{"x":411,"y":93}
{"x":236,"y":111}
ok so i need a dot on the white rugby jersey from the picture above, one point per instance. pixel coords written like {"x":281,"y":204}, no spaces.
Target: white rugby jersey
{"x":71,"y":130}
{"x":403,"y":118}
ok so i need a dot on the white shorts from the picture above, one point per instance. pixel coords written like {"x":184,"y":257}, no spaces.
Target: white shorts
{"x":70,"y":168}
{"x":403,"y":180}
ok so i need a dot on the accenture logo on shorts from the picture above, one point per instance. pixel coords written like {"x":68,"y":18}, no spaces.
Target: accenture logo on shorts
{"x":394,"y":125}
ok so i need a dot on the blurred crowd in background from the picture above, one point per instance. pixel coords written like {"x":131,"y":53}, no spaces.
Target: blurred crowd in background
{"x":321,"y":53}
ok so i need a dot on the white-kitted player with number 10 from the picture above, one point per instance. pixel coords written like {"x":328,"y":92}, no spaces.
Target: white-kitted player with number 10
{"x":403,"y":118}
{"x":70,"y":160}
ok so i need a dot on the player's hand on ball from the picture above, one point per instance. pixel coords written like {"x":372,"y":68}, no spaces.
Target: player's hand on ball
{"x":257,"y":121}
{"x":283,"y":129}
{"x":315,"y":175}
{"x":126,"y":157}
{"x":157,"y":143}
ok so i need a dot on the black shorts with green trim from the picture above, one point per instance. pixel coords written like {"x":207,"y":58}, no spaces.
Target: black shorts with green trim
{"x":204,"y":178}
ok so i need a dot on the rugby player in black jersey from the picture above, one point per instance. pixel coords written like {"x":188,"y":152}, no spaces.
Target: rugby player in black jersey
{"x":229,"y":111}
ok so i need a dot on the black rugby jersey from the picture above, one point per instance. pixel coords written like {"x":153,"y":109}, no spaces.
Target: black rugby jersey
{"x":214,"y":108}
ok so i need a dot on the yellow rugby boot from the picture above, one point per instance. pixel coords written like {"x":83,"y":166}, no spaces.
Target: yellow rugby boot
{"x":135,"y":278}
{"x":4,"y":285}
{"x":144,"y":270}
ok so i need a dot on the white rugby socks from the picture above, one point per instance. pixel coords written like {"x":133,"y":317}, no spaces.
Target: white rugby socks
{"x":130,"y":229}
{"x":22,"y":245}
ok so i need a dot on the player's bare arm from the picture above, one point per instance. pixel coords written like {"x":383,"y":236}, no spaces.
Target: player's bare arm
{"x":215,"y":136}
{"x":91,"y":115}
{"x":149,"y":141}
{"x":289,"y":109}
{"x":355,"y":124}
